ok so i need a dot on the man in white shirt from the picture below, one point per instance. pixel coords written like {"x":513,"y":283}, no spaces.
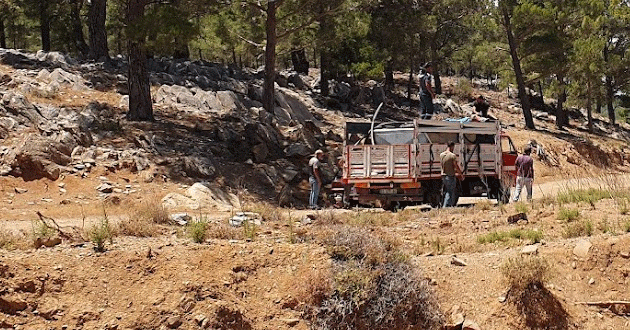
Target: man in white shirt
{"x":315,"y":178}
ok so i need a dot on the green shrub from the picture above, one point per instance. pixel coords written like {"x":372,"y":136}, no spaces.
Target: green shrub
{"x":99,"y":234}
{"x":250,"y":230}
{"x":533,"y":235}
{"x":198,"y":230}
{"x":568,"y":215}
{"x":578,"y":229}
{"x":521,"y":207}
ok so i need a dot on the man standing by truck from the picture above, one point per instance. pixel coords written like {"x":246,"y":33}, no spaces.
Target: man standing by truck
{"x":426,"y":92}
{"x":524,"y":174}
{"x":315,"y":178}
{"x":450,"y":173}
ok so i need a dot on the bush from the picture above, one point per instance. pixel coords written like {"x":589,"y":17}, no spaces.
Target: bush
{"x":9,"y":240}
{"x":521,"y":207}
{"x":533,"y":235}
{"x":578,"y":229}
{"x":138,"y":227}
{"x":372,"y":286}
{"x":483,"y":205}
{"x":464,"y":89}
{"x":526,"y":271}
{"x":568,"y":215}
{"x":198,"y":231}
{"x":99,"y":234}
{"x":151,"y":212}
{"x":223,"y":231}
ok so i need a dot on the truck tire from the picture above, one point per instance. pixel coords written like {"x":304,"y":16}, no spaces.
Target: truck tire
{"x":433,"y":194}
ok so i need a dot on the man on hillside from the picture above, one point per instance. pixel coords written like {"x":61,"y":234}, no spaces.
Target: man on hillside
{"x":481,"y":106}
{"x":426,"y":92}
{"x":450,"y":173}
{"x":315,"y":178}
{"x":524,"y":174}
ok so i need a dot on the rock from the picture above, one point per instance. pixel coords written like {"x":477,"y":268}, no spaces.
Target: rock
{"x":212,"y":196}
{"x":199,"y":318}
{"x":181,"y":219}
{"x":12,"y":305}
{"x":297,"y":150}
{"x":293,"y":107}
{"x":624,"y":254}
{"x":291,"y":322}
{"x":530,"y":249}
{"x":198,"y":167}
{"x":260,"y":152}
{"x":37,"y":157}
{"x":243,"y":217}
{"x":582,"y":248}
{"x":19,"y":190}
{"x":457,"y":320}
{"x":517,"y":217}
{"x":470,"y":325}
{"x":46,"y":241}
{"x":591,"y":281}
{"x":175,"y":200}
{"x":105,"y":188}
{"x":173,"y":322}
{"x":457,"y":262}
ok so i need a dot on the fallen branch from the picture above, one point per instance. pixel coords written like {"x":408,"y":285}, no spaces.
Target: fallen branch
{"x":73,"y":234}
{"x":618,"y":307}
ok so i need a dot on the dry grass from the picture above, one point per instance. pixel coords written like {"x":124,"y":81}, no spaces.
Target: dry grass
{"x":526,"y":271}
{"x":372,"y":285}
{"x":223,"y":230}
{"x":268,"y":212}
{"x":152,"y":212}
{"x":578,"y":229}
{"x":11,"y":241}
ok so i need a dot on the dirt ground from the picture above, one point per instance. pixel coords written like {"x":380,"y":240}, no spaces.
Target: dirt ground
{"x":254,"y":280}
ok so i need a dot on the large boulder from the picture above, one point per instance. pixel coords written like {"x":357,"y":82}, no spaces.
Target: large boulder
{"x":204,"y":196}
{"x":293,"y":107}
{"x":22,"y":110}
{"x":37,"y":157}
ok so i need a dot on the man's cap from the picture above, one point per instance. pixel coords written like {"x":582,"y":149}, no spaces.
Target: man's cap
{"x":528,"y":149}
{"x":451,"y":143}
{"x":319,"y":152}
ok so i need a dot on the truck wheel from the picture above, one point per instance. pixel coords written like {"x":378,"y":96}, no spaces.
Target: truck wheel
{"x":433,"y":195}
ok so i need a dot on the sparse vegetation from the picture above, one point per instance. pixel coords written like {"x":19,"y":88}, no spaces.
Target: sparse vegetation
{"x":223,"y":230}
{"x":568,"y":215}
{"x":534,"y":236}
{"x":521,"y":207}
{"x":373,"y":286}
{"x":626,"y":226}
{"x":524,"y":272}
{"x":250,"y":230}
{"x":198,"y":230}
{"x":437,"y":246}
{"x":578,"y":229}
{"x":9,"y":240}
{"x":151,"y":212}
{"x":41,"y":230}
{"x":483,"y":205}
{"x":101,"y":233}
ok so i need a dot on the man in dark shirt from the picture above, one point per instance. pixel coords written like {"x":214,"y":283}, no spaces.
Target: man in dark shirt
{"x":481,"y":106}
{"x":426,"y":92}
{"x":450,"y":173}
{"x":524,"y":174}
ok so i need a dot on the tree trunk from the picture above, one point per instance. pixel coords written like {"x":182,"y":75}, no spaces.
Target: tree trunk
{"x":77,"y":28}
{"x":140,"y":106}
{"x":389,"y":77}
{"x":411,"y":81}
{"x":520,"y":81}
{"x":610,"y":96}
{"x":589,"y":105}
{"x":44,"y":25}
{"x":598,"y":103}
{"x":3,"y":37}
{"x":324,"y":62}
{"x":562,"y":119}
{"x":97,"y":15}
{"x":270,"y":58}
{"x":437,"y":79}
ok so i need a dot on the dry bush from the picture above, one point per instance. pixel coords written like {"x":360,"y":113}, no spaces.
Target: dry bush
{"x":483,"y":205}
{"x":372,"y":286}
{"x":100,"y":233}
{"x":392,"y":296}
{"x":139,"y":227}
{"x":314,"y":286}
{"x":152,"y":212}
{"x":268,"y":212}
{"x":223,"y":230}
{"x":538,"y":307}
{"x":524,"y":272}
{"x":578,"y":229}
{"x":10,"y":240}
